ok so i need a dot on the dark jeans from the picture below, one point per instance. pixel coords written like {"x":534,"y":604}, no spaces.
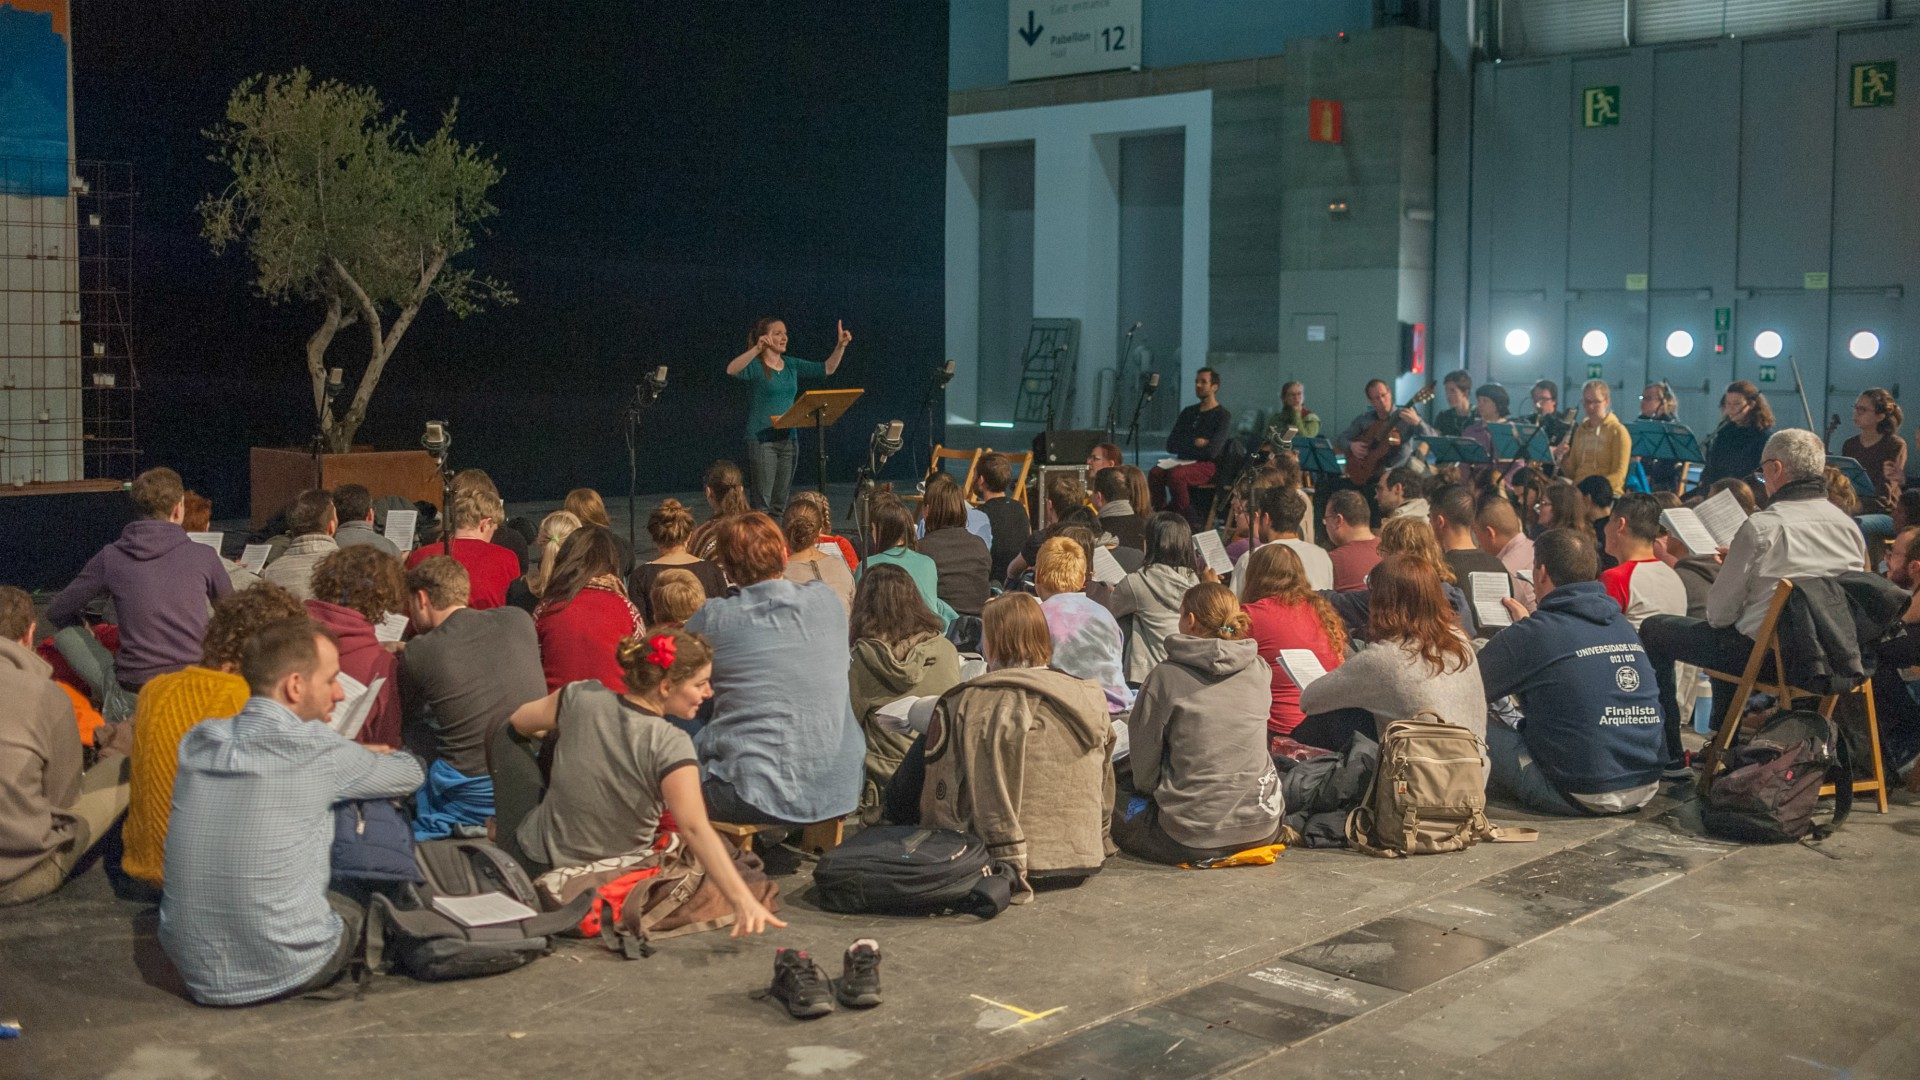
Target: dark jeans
{"x":1675,"y":637}
{"x":901,"y":801}
{"x":1143,"y":838}
{"x":1331,"y":730}
{"x":517,"y":788}
{"x":770,"y":473}
{"x":353,"y":920}
{"x":1893,"y":705}
{"x":725,"y":804}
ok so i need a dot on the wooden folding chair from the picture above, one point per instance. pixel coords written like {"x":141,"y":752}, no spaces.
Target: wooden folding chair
{"x":938,"y":465}
{"x":1766,"y":643}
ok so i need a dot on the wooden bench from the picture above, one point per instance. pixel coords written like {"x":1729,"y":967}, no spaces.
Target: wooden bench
{"x":816,"y":839}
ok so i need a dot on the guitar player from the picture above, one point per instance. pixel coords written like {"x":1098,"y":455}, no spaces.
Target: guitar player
{"x":1407,"y":427}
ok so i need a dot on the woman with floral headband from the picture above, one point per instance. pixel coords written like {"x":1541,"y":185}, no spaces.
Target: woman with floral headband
{"x":620,"y":763}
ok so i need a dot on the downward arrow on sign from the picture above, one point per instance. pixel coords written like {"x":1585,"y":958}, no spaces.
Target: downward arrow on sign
{"x":1032,"y":33}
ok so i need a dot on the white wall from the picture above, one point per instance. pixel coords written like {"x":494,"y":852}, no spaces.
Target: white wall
{"x":1076,"y":229}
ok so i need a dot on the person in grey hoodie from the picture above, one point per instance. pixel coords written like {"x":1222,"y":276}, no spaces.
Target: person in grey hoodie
{"x":1204,"y":785}
{"x":162,"y":584}
{"x":1148,"y":600}
{"x":312,"y":522}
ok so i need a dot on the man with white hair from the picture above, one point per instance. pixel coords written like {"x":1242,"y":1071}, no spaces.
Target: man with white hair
{"x":1799,"y":535}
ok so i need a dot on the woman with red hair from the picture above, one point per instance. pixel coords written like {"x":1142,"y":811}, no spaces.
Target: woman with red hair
{"x":1417,"y":659}
{"x":782,"y":746}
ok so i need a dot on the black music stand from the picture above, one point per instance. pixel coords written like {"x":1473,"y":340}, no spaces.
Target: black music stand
{"x":1863,"y":485}
{"x":1317,"y":456}
{"x":1515,"y":441}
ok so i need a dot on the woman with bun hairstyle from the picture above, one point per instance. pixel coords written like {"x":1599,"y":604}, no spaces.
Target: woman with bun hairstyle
{"x":620,"y":764}
{"x":774,"y":379}
{"x":671,"y":527}
{"x":1204,"y":786}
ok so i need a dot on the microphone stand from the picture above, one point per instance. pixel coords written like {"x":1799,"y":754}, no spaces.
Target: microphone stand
{"x":1113,"y":405}
{"x":937,"y":386}
{"x":1133,"y":425}
{"x":645,"y":393}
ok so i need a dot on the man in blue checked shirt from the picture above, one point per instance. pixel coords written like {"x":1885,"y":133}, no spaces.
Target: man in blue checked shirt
{"x":247,"y":915}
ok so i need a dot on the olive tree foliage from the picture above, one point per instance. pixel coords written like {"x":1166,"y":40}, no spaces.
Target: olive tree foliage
{"x":339,"y":205}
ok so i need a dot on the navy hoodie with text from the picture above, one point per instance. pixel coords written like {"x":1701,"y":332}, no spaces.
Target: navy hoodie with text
{"x":1586,"y":687}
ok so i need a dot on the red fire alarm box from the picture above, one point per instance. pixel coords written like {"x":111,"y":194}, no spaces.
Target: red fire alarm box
{"x":1323,"y":120}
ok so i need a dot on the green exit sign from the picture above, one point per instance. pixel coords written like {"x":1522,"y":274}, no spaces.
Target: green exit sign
{"x":1872,"y":84}
{"x":1769,"y":372}
{"x":1600,"y":106}
{"x":1593,"y":371}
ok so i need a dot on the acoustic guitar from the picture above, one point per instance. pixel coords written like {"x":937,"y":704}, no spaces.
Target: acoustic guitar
{"x":1382,"y":439}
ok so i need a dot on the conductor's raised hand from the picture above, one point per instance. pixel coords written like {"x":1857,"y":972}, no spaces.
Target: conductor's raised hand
{"x":844,"y":335}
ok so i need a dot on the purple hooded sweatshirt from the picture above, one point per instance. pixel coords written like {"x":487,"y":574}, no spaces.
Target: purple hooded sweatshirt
{"x":161,"y":583}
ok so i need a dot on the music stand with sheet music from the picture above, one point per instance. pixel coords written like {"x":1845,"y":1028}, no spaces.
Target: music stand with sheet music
{"x":1662,"y":440}
{"x":819,"y":410}
{"x":1449,"y":449}
{"x":1515,"y":441}
{"x":1863,"y":485}
{"x":1317,"y":455}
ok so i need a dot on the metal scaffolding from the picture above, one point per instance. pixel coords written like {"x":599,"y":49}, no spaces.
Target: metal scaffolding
{"x":67,"y":374}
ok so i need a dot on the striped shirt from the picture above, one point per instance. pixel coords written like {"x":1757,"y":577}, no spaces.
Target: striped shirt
{"x":245,"y":914}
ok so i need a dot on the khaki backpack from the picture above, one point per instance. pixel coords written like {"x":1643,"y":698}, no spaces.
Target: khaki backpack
{"x":1429,"y":794}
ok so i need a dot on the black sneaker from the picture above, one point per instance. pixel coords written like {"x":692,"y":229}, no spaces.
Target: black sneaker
{"x":800,"y":984}
{"x":859,"y":985}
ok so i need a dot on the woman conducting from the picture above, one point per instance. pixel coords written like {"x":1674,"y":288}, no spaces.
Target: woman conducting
{"x":775,"y":381}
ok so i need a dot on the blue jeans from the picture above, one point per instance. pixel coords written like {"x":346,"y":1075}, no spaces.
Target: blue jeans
{"x":1875,"y":526}
{"x":770,"y":473}
{"x":1516,"y":775}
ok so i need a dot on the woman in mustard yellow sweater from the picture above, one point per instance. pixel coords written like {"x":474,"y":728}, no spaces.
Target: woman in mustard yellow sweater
{"x":169,"y":705}
{"x":1600,"y":445}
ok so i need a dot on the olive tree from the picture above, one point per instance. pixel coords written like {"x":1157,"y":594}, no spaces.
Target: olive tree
{"x":340,"y":206}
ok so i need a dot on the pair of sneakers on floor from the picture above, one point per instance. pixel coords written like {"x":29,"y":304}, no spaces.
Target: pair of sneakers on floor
{"x":801,"y":984}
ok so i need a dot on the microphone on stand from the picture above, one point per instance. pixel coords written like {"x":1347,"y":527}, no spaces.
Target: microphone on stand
{"x":943,"y":375}
{"x":437,"y":439}
{"x":887,"y":440}
{"x":1152,"y":387}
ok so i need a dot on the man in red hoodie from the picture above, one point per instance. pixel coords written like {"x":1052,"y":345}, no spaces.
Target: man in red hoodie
{"x":162,"y":584}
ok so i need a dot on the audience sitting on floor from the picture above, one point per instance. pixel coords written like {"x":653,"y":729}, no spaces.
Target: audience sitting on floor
{"x":353,"y":509}
{"x":1278,"y":512}
{"x":1497,"y":531}
{"x":462,"y":674}
{"x":1147,"y":601}
{"x":1452,"y":516}
{"x":670,"y":526}
{"x":1403,"y":536}
{"x":354,"y":590}
{"x":993,"y":487}
{"x":962,"y":561}
{"x":782,"y":747}
{"x":247,"y":914}
{"x":1401,"y":492}
{"x":311,"y":522}
{"x":897,"y":652}
{"x":1087,"y":642}
{"x":584,"y":612}
{"x":1285,"y":611}
{"x":171,"y":704}
{"x":809,"y":558}
{"x":724,"y":486}
{"x":526,"y":589}
{"x":1639,"y":582}
{"x":1021,"y":756}
{"x":1356,"y":551}
{"x":1586,"y":737}
{"x":1113,"y":506}
{"x":1067,"y":506}
{"x":53,"y":810}
{"x":587,"y":505}
{"x":819,"y":501}
{"x":892,"y":533}
{"x":1799,"y":535}
{"x":1203,"y":783}
{"x":677,"y":594}
{"x":492,"y":568}
{"x":160,"y":582}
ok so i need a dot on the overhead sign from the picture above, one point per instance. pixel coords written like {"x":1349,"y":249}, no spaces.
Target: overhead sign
{"x":1600,"y":106}
{"x":1069,"y":37}
{"x":1872,"y":84}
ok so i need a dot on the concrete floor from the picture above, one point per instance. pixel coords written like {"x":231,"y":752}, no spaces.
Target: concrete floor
{"x":1611,"y":947}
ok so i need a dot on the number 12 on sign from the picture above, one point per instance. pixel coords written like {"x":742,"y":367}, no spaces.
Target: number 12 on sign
{"x":1114,"y":39}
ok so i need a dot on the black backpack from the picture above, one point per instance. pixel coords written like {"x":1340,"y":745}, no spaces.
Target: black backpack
{"x":1767,"y":793}
{"x":902,"y":870}
{"x":404,"y":930}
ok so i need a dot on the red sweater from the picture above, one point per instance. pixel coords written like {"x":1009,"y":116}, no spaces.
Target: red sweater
{"x":1279,"y":626}
{"x":365,"y":659}
{"x":580,"y":639}
{"x":490,"y":567}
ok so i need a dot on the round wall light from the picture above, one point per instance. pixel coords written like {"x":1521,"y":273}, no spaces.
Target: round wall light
{"x":1518,"y":342}
{"x":1679,"y":344}
{"x":1864,"y":345}
{"x":1594,"y":343}
{"x":1767,"y":344}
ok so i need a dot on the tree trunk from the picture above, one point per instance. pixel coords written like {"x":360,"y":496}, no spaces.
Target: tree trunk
{"x":381,"y":345}
{"x":317,"y":365}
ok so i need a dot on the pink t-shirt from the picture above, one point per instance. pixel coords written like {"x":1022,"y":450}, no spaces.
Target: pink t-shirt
{"x":1276,"y":626}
